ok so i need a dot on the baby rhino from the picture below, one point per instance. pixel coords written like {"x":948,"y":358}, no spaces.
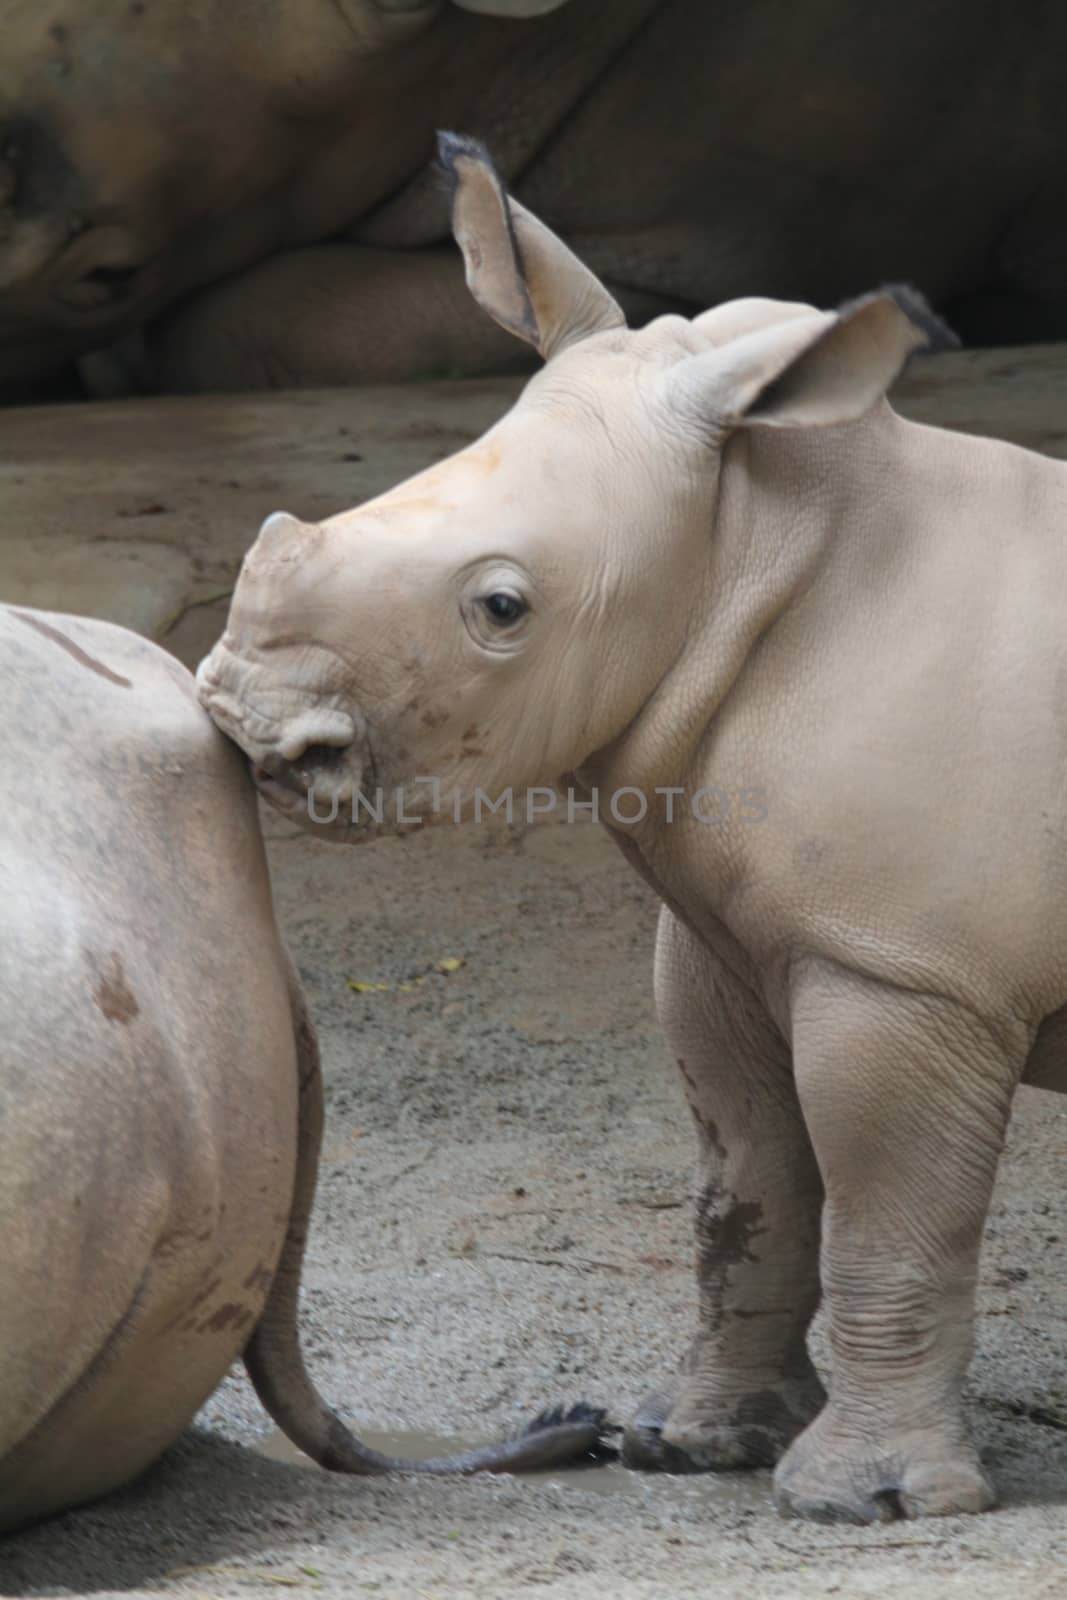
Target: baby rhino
{"x":809,"y":661}
{"x":160,"y":1099}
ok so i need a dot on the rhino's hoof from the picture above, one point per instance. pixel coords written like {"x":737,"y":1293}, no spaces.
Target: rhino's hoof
{"x":689,"y":1433}
{"x":828,"y":1477}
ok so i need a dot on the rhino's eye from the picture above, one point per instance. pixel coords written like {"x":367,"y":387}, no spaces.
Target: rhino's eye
{"x":504,"y":609}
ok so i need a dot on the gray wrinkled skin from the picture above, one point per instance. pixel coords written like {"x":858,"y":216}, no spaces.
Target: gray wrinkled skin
{"x":160,"y":1100}
{"x":148,"y":1070}
{"x":709,"y":557}
{"x":210,"y":196}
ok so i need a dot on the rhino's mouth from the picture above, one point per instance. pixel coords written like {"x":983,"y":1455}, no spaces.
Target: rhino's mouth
{"x":279,"y":782}
{"x":298,"y":774}
{"x":317,"y":790}
{"x":310,"y":763}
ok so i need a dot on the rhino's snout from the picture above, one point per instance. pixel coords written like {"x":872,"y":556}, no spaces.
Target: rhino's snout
{"x":319,"y":751}
{"x":259,"y":724}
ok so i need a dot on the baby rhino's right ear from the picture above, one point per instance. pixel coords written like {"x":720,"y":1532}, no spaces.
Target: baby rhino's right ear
{"x":813,"y":368}
{"x":517,"y":269}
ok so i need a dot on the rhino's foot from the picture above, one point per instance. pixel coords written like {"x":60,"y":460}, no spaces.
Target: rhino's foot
{"x":693,"y":1431}
{"x":832,"y":1476}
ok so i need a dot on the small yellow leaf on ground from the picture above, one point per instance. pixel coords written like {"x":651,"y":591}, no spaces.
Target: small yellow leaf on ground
{"x":450,"y":964}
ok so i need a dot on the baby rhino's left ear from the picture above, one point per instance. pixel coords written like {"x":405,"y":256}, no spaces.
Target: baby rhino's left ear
{"x":812,"y":370}
{"x":517,"y":269}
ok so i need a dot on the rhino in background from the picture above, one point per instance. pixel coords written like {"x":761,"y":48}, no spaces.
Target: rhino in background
{"x":709,"y":558}
{"x":160,"y":1095}
{"x":210,"y":196}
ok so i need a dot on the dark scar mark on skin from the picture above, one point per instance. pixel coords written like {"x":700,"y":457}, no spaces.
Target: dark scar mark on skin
{"x":82,"y":657}
{"x":705,"y":1124}
{"x":259,"y":1278}
{"x":690,"y":1081}
{"x":729,"y":1226}
{"x":227,"y":1316}
{"x":205,"y":1293}
{"x":711,"y":1133}
{"x":113,"y":995}
{"x":188,"y":1311}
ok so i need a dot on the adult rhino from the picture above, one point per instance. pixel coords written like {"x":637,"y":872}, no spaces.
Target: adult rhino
{"x":160,"y":1099}
{"x":224,"y":196}
{"x":809,"y":658}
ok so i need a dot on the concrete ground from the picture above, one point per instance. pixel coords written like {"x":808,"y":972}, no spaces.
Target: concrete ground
{"x":503,"y":1215}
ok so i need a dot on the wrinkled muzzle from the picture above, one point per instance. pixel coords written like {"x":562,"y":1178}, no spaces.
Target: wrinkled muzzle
{"x":308,"y":757}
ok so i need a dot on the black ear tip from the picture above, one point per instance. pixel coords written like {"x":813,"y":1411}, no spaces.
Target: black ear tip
{"x":917,"y":309}
{"x":453,"y":147}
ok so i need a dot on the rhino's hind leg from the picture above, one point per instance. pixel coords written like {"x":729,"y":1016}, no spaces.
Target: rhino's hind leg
{"x":748,"y":1386}
{"x":907,"y":1096}
{"x":276,"y":1365}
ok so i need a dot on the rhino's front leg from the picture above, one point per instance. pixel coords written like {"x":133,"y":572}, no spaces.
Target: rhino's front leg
{"x":748,"y":1386}
{"x":907,"y":1098}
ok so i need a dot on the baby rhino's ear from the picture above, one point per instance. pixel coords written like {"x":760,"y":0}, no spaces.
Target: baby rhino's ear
{"x":811,"y":370}
{"x":517,"y":269}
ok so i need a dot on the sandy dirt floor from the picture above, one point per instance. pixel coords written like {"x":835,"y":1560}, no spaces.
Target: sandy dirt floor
{"x":504,"y":1214}
{"x":503,"y":1221}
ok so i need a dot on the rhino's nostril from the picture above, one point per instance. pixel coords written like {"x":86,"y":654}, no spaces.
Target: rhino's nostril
{"x":322,"y":757}
{"x":112,"y":282}
{"x":100,"y":286}
{"x":300,"y":770}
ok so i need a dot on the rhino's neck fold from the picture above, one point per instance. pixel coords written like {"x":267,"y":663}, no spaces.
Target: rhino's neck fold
{"x":773,"y":524}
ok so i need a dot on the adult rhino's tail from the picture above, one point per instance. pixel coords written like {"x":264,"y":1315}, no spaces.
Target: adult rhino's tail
{"x":276,"y":1365}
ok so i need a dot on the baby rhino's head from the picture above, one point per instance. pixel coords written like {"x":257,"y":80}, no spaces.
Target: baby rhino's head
{"x":493,"y":622}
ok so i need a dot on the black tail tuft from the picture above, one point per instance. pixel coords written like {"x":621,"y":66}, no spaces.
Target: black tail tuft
{"x":595,"y":1417}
